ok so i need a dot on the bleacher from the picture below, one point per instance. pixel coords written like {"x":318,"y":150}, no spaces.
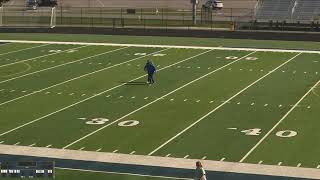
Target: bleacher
{"x":288,"y":10}
{"x":307,"y":10}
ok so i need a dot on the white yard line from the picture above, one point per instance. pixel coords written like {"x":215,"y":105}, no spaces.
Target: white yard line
{"x":84,"y":75}
{"x":60,"y":65}
{"x":9,"y":64}
{"x":278,"y":123}
{"x":98,"y":94}
{"x":24,"y":49}
{"x":156,"y":100}
{"x":221,"y":105}
{"x":118,"y":173}
{"x":165,"y":46}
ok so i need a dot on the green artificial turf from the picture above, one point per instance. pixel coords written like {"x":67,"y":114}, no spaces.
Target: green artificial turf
{"x":204,"y":100}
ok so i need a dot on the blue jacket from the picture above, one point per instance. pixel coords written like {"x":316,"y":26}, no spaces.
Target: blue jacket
{"x":150,"y":68}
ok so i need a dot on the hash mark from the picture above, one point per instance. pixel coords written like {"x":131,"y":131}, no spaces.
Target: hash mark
{"x":98,"y":150}
{"x":198,"y":101}
{"x":168,"y":155}
{"x":299,"y":165}
{"x":133,"y":97}
{"x":232,"y":128}
{"x":252,"y":104}
{"x":185,"y":100}
{"x":222,"y":159}
{"x":108,"y":96}
{"x":185,"y":157}
{"x":318,"y":167}
{"x":115,"y":151}
{"x":280,"y":105}
{"x":1,"y":142}
{"x":265,"y":105}
{"x":204,"y":157}
{"x":48,"y":146}
{"x":81,"y":148}
{"x":83,"y":94}
{"x":171,"y":99}
{"x":31,"y":145}
{"x":17,"y":143}
{"x":260,"y":162}
{"x":211,"y":102}
{"x":146,"y":97}
{"x":279,"y":164}
{"x":132,"y":152}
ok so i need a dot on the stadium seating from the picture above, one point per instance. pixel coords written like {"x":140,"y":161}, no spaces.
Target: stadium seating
{"x":288,"y":10}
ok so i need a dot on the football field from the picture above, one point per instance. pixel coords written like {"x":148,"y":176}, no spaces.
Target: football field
{"x":258,"y":106}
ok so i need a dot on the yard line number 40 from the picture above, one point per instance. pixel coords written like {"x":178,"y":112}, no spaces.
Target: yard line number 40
{"x":282,"y":134}
{"x":101,"y":121}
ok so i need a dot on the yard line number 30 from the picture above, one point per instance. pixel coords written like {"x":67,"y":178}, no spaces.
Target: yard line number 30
{"x":101,"y":121}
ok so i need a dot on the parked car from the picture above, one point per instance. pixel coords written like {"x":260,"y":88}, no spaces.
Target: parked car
{"x":214,"y":4}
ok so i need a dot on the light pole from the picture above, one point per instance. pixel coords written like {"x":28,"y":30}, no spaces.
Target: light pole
{"x":194,"y":11}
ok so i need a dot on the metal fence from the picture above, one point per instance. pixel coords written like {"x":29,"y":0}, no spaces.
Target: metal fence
{"x":122,"y":17}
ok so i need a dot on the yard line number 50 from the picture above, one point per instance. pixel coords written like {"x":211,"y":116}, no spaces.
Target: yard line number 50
{"x":101,"y":121}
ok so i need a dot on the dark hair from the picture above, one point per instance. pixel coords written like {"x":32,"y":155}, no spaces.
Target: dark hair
{"x":198,"y":164}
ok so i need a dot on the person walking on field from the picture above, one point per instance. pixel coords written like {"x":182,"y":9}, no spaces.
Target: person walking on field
{"x":151,"y":70}
{"x":200,"y":173}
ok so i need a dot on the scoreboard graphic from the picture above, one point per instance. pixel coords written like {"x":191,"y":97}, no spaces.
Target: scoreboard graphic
{"x":27,"y":169}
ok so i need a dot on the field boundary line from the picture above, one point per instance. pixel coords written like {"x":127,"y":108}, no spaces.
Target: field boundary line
{"x":33,"y":47}
{"x":279,"y":122}
{"x":156,"y":100}
{"x":160,"y":162}
{"x":9,"y":64}
{"x":168,"y":46}
{"x":119,"y":173}
{"x":221,"y":105}
{"x":86,"y":99}
{"x":60,"y":65}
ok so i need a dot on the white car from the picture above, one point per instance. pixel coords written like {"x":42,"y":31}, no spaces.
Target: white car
{"x":214,"y":4}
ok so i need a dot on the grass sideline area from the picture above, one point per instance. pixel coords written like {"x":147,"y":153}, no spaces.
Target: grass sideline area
{"x":66,"y":174}
{"x":185,"y":41}
{"x":94,"y":98}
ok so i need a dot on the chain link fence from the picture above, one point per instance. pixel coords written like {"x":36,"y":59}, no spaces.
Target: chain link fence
{"x":122,"y":17}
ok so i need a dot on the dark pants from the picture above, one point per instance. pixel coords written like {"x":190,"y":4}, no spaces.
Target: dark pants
{"x":151,"y":78}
